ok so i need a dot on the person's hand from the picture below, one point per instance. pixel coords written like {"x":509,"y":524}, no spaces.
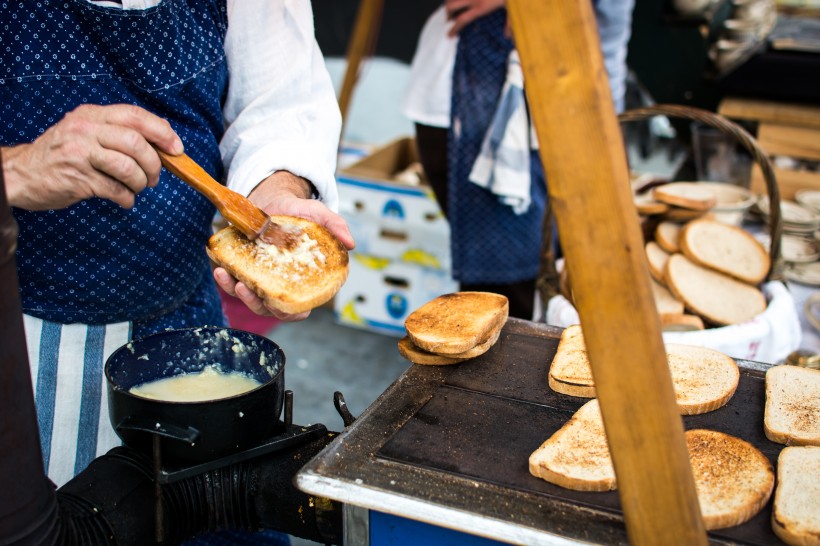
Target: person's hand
{"x":94,"y":151}
{"x":464,"y":12}
{"x":284,"y":193}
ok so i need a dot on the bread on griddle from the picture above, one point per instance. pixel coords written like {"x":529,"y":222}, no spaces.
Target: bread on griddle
{"x":454,"y":323}
{"x":734,"y":480}
{"x":704,"y":379}
{"x":792,"y":411}
{"x":293,"y":280}
{"x":714,"y":296}
{"x":728,"y":249}
{"x":795,"y":514}
{"x":417,"y":355}
{"x":577,"y":455}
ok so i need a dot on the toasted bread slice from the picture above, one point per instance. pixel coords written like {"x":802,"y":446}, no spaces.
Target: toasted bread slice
{"x":682,"y":215}
{"x":704,"y":379}
{"x":646,"y":205}
{"x":570,"y":372}
{"x":792,"y":413}
{"x":577,"y":455}
{"x":688,"y":195}
{"x":453,"y":323}
{"x":419,"y":356}
{"x":714,"y":296}
{"x":292,"y":280}
{"x":656,"y":256}
{"x":734,"y":480}
{"x":666,"y":235}
{"x":795,"y":515}
{"x":728,"y":249}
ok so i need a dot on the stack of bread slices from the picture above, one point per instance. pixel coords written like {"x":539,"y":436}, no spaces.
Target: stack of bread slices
{"x":713,"y":270}
{"x":454,"y":327}
{"x":676,"y":201}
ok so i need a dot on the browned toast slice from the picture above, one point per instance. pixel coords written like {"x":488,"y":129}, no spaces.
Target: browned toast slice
{"x":792,"y":412}
{"x":417,"y":355}
{"x":454,"y":323}
{"x":795,"y":515}
{"x":293,"y":280}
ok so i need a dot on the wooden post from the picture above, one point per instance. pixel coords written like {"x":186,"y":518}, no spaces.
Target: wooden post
{"x":362,"y":43}
{"x":588,"y":182}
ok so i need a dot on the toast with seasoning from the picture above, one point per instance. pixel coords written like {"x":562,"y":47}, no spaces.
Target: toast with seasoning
{"x":792,"y":412}
{"x":294,"y":278}
{"x":454,"y":323}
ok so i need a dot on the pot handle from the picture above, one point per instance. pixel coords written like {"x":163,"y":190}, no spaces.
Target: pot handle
{"x":152,"y":426}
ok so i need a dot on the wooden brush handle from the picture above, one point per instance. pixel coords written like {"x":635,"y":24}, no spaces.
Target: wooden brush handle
{"x":237,"y":209}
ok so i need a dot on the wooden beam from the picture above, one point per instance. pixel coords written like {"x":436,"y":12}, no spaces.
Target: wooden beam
{"x":362,"y":44}
{"x":588,"y":181}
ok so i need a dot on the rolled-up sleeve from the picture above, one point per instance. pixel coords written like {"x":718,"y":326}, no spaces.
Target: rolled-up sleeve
{"x":281,"y":111}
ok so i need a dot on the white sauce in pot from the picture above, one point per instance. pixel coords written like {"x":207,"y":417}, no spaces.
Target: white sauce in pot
{"x":209,"y":384}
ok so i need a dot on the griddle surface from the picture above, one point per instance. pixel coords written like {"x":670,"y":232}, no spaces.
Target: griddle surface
{"x":490,"y":414}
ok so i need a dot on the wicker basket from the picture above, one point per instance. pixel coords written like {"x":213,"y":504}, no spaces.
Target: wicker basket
{"x":550,"y":282}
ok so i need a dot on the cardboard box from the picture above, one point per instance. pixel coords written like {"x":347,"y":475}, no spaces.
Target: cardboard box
{"x":390,"y":218}
{"x":380,"y":293}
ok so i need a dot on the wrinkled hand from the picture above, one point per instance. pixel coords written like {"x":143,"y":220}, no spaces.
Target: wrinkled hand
{"x":464,"y":12}
{"x":94,"y":151}
{"x":284,"y":193}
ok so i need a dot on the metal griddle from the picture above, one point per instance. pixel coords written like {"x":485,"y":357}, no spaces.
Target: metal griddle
{"x":449,"y":446}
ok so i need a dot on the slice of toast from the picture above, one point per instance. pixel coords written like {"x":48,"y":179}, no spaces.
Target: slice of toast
{"x":704,"y":379}
{"x":792,"y":412}
{"x":453,"y":323}
{"x":293,"y":280}
{"x":577,"y":455}
{"x":688,"y":195}
{"x":417,"y":355}
{"x":733,"y":479}
{"x":570,"y":372}
{"x":716,"y":297}
{"x":795,"y":515}
{"x":681,"y":323}
{"x":666,"y":235}
{"x":728,"y":249}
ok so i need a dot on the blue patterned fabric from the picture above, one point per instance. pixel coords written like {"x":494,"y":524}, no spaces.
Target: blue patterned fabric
{"x":95,"y":262}
{"x":490,"y":242}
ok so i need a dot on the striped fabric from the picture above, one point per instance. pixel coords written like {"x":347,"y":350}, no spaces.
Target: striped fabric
{"x":69,"y":388}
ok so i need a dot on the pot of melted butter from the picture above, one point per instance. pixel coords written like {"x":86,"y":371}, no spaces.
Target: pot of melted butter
{"x":209,"y":384}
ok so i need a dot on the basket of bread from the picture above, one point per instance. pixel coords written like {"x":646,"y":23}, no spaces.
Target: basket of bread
{"x":715,"y":285}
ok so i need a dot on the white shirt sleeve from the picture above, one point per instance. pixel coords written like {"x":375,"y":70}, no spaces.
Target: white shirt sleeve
{"x":281,"y":111}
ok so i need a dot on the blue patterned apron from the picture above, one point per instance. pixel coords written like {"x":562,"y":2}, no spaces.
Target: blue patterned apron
{"x":94,"y":262}
{"x":490,"y":243}
{"x":124,"y":273}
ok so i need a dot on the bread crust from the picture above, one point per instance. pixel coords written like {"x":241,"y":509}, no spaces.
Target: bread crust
{"x":666,"y":235}
{"x":656,"y":256}
{"x":284,"y":283}
{"x":453,"y":323}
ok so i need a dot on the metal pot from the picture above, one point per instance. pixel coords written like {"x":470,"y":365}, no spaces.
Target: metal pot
{"x":196,"y":431}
